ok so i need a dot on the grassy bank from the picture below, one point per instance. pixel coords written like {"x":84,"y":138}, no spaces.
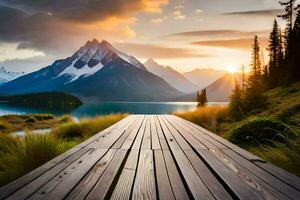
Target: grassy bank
{"x":19,"y":156}
{"x":272,"y":134}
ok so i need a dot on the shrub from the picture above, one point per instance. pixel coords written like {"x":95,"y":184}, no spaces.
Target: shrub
{"x":30,"y":119}
{"x":261,"y":130}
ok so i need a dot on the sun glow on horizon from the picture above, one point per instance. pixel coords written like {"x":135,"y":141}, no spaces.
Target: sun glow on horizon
{"x":232,"y":69}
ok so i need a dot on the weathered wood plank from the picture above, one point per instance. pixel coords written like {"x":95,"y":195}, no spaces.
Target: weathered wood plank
{"x":174,"y":176}
{"x":105,"y":184}
{"x":26,"y":179}
{"x":154,"y":133}
{"x":194,"y":182}
{"x":132,"y":136}
{"x":234,"y":182}
{"x":216,"y":188}
{"x":124,"y":185}
{"x":163,"y":183}
{"x":265,"y":176}
{"x":187,"y":135}
{"x":62,"y":184}
{"x":144,"y":183}
{"x":162,"y":139}
{"x":138,"y":140}
{"x":146,"y":142}
{"x":87,"y":183}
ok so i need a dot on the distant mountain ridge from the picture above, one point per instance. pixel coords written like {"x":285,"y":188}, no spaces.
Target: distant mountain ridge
{"x":204,"y":77}
{"x":170,"y":75}
{"x":6,"y":75}
{"x":96,"y":72}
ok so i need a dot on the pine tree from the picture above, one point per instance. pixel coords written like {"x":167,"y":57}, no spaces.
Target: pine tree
{"x":254,"y":98}
{"x":202,"y":98}
{"x":274,"y":54}
{"x":236,"y":105}
{"x":296,"y":47}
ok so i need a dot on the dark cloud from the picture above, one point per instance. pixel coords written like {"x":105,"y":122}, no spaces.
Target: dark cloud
{"x":156,"y":51}
{"x":261,"y":13}
{"x":244,"y":43}
{"x":217,"y":33}
{"x":84,"y":10}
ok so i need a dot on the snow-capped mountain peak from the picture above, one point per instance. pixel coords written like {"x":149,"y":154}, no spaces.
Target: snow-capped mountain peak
{"x":6,"y":76}
{"x":91,"y":57}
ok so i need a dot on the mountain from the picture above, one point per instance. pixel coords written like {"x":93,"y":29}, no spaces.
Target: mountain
{"x":204,"y":77}
{"x":218,"y":91}
{"x":221,"y":89}
{"x":6,"y":76}
{"x":96,"y":72}
{"x":170,"y":75}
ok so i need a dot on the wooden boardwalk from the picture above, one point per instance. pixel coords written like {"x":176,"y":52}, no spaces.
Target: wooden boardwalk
{"x":155,"y":157}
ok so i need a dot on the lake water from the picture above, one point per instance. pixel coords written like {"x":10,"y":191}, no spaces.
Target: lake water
{"x":94,"y":109}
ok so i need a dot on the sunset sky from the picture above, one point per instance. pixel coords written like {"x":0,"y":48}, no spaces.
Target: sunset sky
{"x":184,"y":34}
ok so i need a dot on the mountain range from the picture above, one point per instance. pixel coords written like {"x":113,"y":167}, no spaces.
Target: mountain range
{"x":173,"y":77}
{"x":96,"y":72}
{"x":6,"y":76}
{"x":100,"y":72}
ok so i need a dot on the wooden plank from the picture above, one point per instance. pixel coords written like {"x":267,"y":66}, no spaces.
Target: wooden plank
{"x":62,"y":184}
{"x":26,"y":179}
{"x":283,"y":175}
{"x":146,"y":142}
{"x":263,"y":175}
{"x":124,"y":185}
{"x":138,"y":140}
{"x":27,"y":190}
{"x":154,"y":133}
{"x":213,"y":184}
{"x":104,"y":187}
{"x":222,"y":141}
{"x":128,"y":142}
{"x":144,"y":183}
{"x":209,"y":142}
{"x":192,"y":140}
{"x":265,"y":190}
{"x":127,"y":132}
{"x":180,"y":140}
{"x":194,"y":182}
{"x":169,"y":137}
{"x":162,"y":139}
{"x":87,"y":183}
{"x":238,"y":186}
{"x":163,"y":183}
{"x":174,"y":176}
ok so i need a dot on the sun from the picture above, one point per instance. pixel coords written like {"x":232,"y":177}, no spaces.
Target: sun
{"x":232,"y":69}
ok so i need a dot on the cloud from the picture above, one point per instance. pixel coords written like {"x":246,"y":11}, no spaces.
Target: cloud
{"x":59,"y":26}
{"x":87,"y":10}
{"x":244,"y":43}
{"x":178,"y":15}
{"x":260,"y":13}
{"x":157,"y":51}
{"x":224,"y":33}
{"x":159,"y":20}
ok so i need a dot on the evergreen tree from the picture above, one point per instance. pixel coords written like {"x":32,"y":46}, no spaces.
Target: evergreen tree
{"x":296,"y":47}
{"x":274,"y":54}
{"x":236,"y":104}
{"x":202,"y":98}
{"x":254,"y":98}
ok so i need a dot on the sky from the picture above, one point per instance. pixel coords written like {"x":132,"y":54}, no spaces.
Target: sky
{"x":184,"y":34}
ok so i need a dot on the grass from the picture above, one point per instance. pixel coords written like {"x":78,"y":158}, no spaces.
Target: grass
{"x":18,"y":156}
{"x":272,"y":142}
{"x":208,"y":117}
{"x":86,"y":127}
{"x":13,"y":123}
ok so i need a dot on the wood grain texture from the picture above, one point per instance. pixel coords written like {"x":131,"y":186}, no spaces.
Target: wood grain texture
{"x":144,"y":183}
{"x":155,"y":157}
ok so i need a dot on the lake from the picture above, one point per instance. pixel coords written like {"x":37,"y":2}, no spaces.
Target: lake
{"x":94,"y":109}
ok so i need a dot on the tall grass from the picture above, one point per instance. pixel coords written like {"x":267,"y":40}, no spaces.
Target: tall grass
{"x":207,"y":117}
{"x":19,"y":156}
{"x":87,"y":127}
